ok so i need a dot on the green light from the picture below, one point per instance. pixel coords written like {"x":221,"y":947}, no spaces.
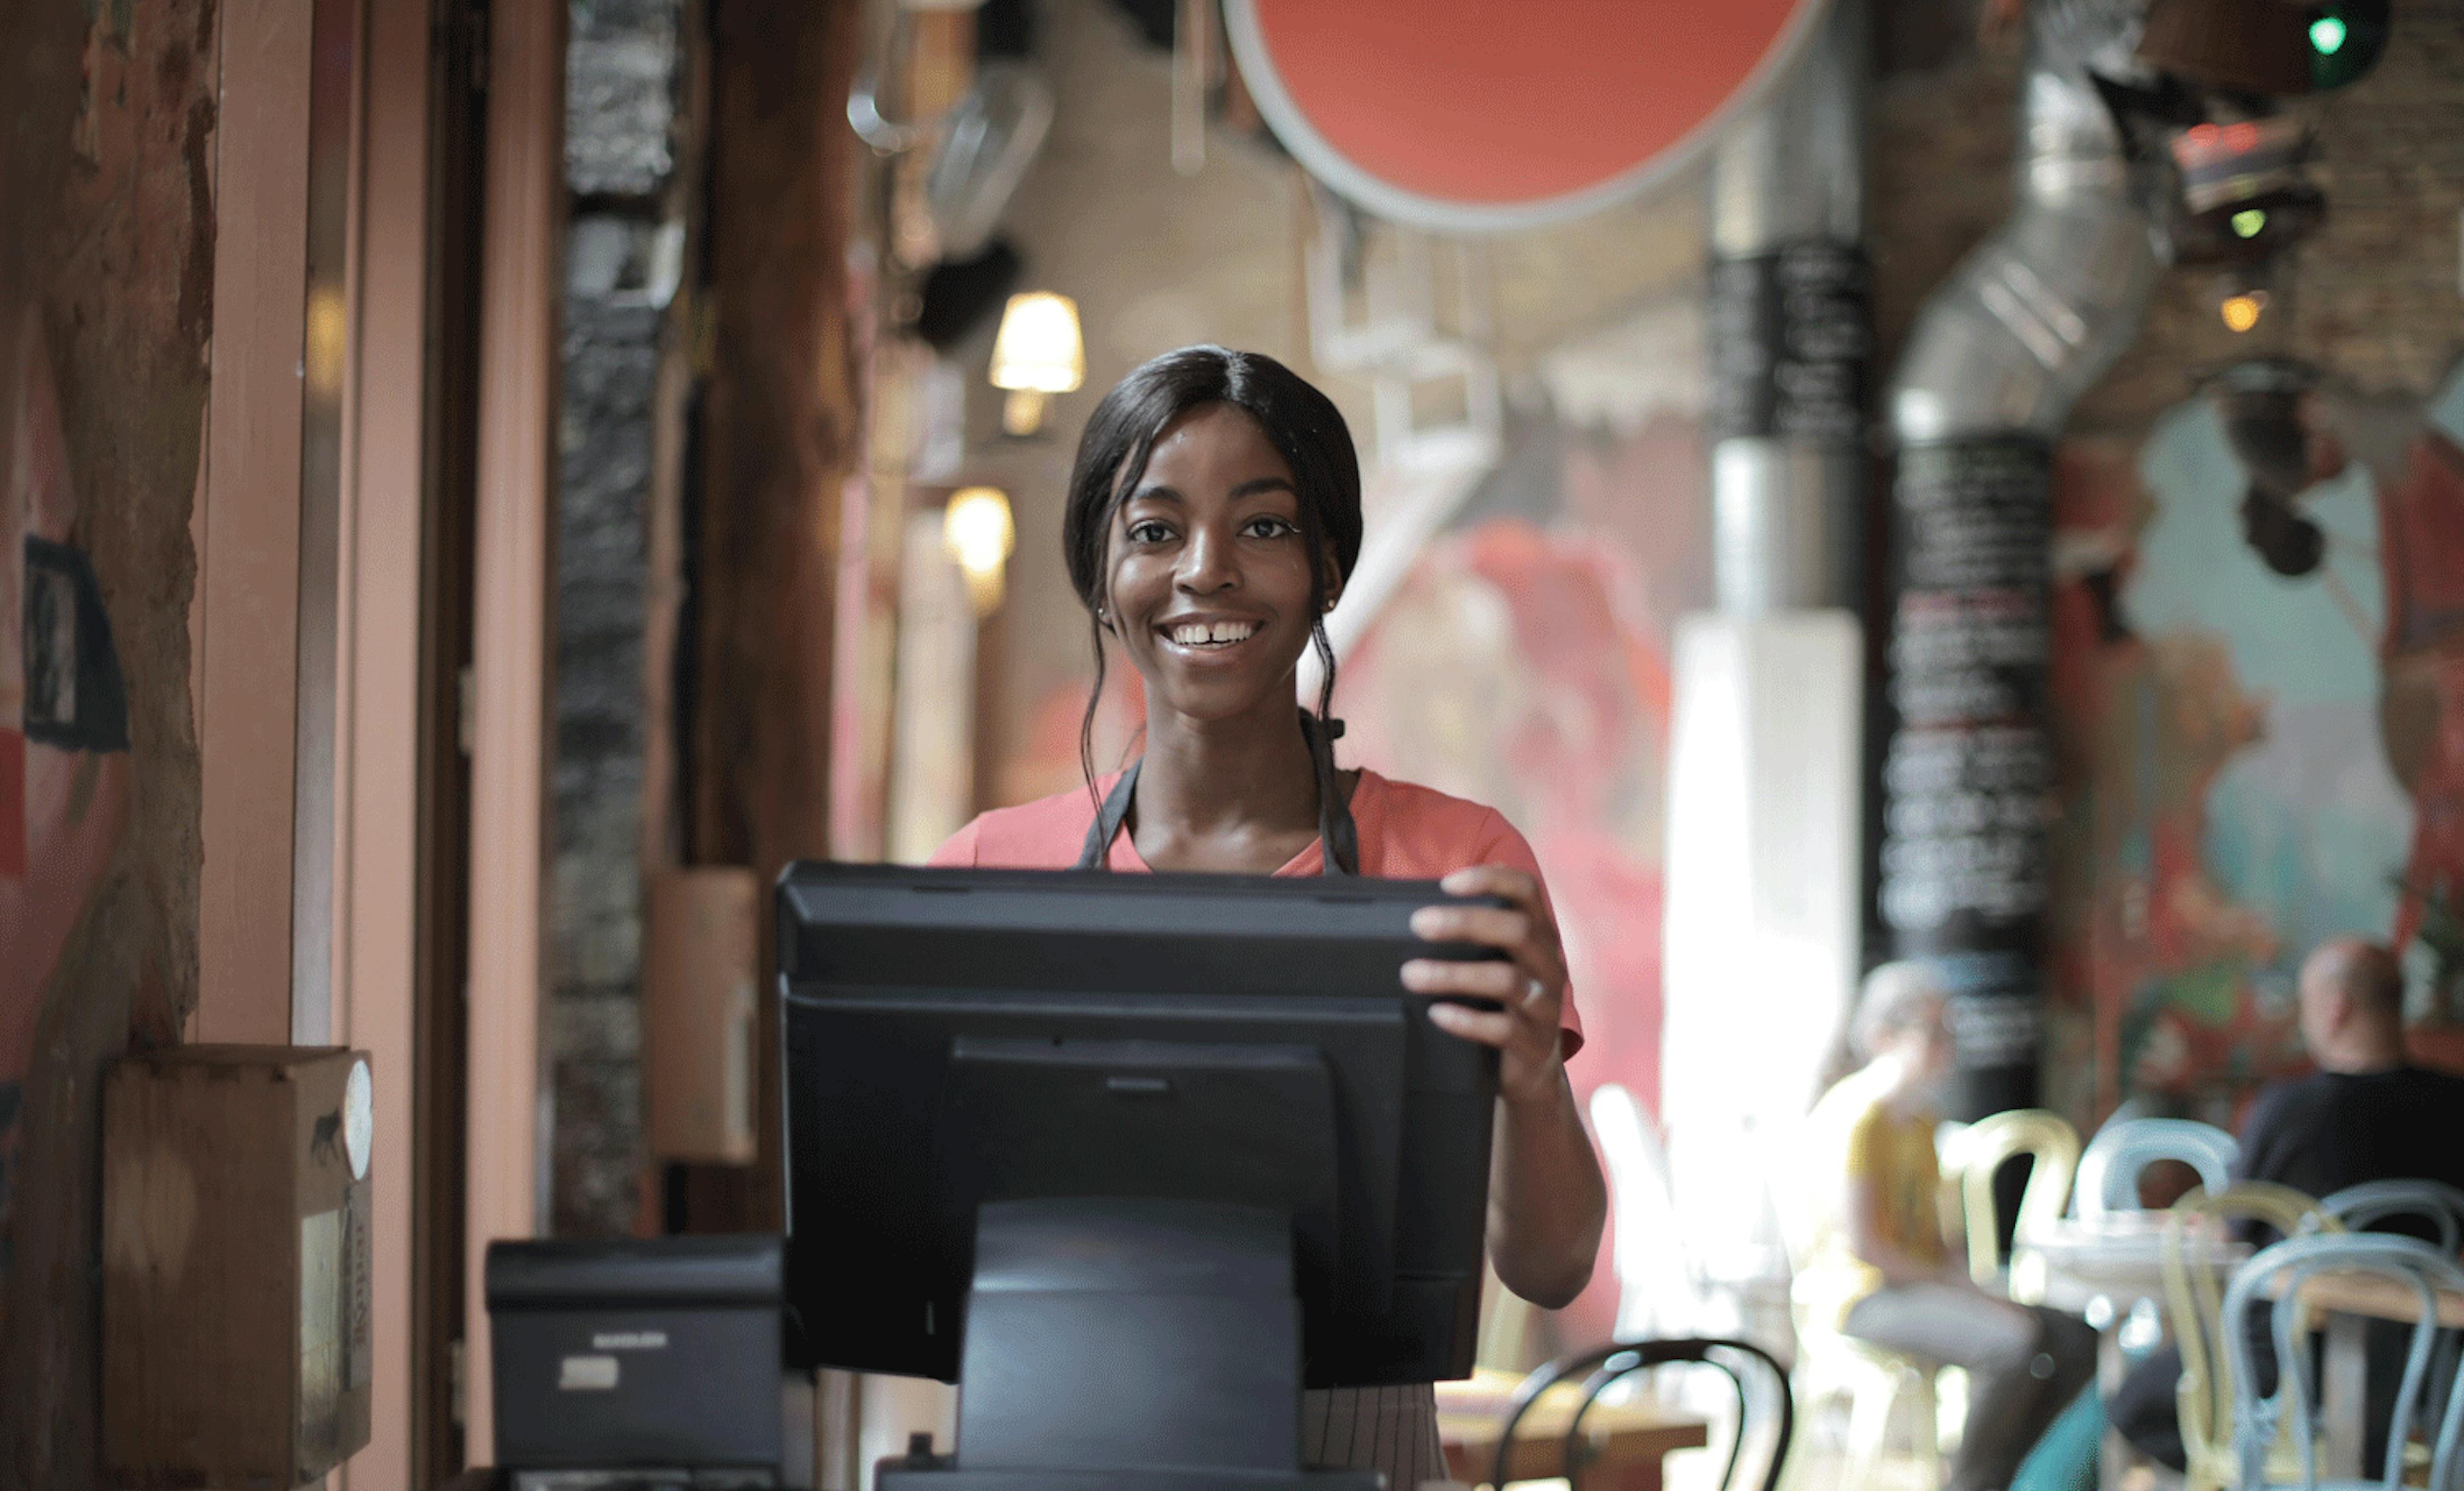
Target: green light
{"x":2248,"y":222}
{"x":2327,"y":35}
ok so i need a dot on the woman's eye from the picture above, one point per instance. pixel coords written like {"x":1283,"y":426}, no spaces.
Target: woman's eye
{"x":1270,"y":528}
{"x":1149,"y":532}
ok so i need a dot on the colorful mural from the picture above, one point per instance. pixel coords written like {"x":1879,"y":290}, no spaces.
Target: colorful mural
{"x":2260,"y":701}
{"x":1525,"y":662}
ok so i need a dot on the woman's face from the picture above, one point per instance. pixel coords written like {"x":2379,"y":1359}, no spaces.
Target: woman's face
{"x":1207,"y":574}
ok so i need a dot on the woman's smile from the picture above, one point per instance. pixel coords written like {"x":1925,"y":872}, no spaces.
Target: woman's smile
{"x":1208,"y":636}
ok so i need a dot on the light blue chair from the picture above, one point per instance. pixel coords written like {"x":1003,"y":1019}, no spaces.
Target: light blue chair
{"x":2362,"y":1208}
{"x":2110,"y":1167}
{"x":2294,"y":1406}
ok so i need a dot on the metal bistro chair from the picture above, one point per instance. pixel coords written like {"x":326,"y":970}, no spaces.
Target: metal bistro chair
{"x":2362,"y":1208}
{"x":1621,"y":1359}
{"x":2109,"y":1171}
{"x":2258,"y":1421}
{"x":1971,"y":1161}
{"x":2205,"y":1395}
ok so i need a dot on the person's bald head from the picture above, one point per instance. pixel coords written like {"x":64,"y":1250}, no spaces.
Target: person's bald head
{"x":2352,"y":1005}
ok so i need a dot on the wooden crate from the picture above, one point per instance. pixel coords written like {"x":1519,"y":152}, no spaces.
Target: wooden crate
{"x":235,"y":1299}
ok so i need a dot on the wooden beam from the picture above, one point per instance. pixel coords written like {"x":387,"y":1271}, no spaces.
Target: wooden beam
{"x":247,"y":554}
{"x":523,"y":217}
{"x":378,"y":787}
{"x":782,"y":436}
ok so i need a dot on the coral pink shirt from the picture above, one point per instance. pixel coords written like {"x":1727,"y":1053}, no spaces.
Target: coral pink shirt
{"x":1407,"y":832}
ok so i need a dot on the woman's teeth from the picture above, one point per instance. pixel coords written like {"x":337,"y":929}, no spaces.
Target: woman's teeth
{"x":1203,"y":634}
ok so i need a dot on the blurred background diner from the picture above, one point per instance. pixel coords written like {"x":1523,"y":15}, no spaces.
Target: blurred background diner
{"x":1962,"y":500}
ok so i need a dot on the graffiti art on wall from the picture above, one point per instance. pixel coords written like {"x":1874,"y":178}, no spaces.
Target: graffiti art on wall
{"x":63,"y":724}
{"x":2259,"y":679}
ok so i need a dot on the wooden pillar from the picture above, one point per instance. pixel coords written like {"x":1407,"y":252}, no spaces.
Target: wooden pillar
{"x":781,"y":438}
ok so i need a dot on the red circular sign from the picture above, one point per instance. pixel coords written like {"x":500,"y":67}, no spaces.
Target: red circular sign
{"x":1479,"y":114}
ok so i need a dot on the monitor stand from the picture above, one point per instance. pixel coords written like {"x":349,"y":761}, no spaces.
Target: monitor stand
{"x":1132,"y":1345}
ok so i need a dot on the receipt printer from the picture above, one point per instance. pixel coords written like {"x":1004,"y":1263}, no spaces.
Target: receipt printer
{"x":639,"y":1357}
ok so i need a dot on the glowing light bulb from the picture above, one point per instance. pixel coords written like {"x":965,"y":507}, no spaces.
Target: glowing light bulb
{"x":2241,"y":311}
{"x":977,"y":534}
{"x":2327,"y":35}
{"x":2248,"y":222}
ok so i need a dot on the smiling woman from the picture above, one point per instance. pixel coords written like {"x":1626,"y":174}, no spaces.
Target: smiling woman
{"x":1214,"y":516}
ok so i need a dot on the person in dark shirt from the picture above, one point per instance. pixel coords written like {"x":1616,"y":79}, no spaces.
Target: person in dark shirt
{"x":2365,"y":1114}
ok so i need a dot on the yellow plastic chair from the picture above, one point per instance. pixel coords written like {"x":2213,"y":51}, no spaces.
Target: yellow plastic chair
{"x":2194,"y":1298}
{"x":1970,"y":1159}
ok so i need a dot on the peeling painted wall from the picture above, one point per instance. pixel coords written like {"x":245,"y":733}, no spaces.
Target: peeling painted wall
{"x":106,"y":275}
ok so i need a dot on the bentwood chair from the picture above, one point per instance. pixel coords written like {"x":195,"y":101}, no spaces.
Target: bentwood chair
{"x":2362,"y":1208}
{"x":1606,"y":1364}
{"x":2195,"y":1300}
{"x":2109,"y":1171}
{"x":1971,"y":1161}
{"x":2415,"y":1266}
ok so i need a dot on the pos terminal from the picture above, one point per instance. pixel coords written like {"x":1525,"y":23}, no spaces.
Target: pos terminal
{"x":1131,"y":1159}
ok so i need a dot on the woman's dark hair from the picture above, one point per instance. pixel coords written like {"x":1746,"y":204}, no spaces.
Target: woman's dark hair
{"x":1302,"y":424}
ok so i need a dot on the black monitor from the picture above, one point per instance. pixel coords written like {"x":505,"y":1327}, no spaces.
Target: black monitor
{"x":1035,"y":1119}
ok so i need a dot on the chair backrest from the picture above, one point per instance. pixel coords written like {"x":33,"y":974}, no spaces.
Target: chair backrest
{"x":2360,"y":1208}
{"x":2109,"y":1171}
{"x":1608,"y":1364}
{"x":2196,"y":1300}
{"x":1655,"y":1277}
{"x":2282,"y":1270}
{"x":1977,"y":1152}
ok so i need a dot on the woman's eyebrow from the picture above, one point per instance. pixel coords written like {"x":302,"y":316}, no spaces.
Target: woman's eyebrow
{"x":1157,"y":493}
{"x":1258,"y":484}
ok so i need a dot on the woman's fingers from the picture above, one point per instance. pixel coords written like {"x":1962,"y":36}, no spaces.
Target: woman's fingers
{"x":1489,"y":979}
{"x":1488,"y":1027}
{"x":1489,"y":926}
{"x":1498,"y":880}
{"x":1528,"y":939}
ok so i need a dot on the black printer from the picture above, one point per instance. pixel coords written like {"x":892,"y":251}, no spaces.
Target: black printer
{"x":640,"y":1363}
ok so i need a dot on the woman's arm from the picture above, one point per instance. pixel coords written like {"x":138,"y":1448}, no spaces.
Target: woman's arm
{"x":1546,"y":1201}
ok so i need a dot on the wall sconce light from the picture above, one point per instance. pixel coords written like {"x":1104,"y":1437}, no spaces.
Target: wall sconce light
{"x":977,"y":535}
{"x":1037,"y":354}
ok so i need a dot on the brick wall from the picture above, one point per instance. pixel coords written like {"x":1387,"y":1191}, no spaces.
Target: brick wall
{"x":621,"y":87}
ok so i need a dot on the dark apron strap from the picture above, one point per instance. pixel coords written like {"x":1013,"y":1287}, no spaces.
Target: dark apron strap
{"x":1336,"y":829}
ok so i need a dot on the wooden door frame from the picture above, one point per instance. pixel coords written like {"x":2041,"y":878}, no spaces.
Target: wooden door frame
{"x":512,"y":590}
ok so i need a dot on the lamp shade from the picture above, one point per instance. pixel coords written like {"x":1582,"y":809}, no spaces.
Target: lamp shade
{"x":1039,"y":348}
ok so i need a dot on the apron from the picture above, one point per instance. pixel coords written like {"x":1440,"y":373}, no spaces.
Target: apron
{"x":1388,"y":1429}
{"x":1335,"y":828}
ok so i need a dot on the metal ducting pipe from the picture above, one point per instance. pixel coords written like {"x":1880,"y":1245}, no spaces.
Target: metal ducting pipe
{"x":1995,"y":360}
{"x":1791,"y":335}
{"x":1762,"y":918}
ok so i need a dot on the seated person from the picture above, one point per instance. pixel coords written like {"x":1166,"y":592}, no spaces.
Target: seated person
{"x":2365,"y":1114}
{"x":1880,"y":1269}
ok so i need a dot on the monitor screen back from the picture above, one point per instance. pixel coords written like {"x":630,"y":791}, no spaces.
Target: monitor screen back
{"x":957,"y":1036}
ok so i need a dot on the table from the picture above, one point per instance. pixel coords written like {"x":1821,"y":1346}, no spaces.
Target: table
{"x":2347,"y":1301}
{"x":1628,"y":1441}
{"x":2118,"y":1261}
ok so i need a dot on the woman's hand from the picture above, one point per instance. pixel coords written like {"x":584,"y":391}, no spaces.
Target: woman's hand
{"x":1529,"y":984}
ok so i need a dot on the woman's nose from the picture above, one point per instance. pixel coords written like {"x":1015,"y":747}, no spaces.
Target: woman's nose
{"x":1206,"y":563}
